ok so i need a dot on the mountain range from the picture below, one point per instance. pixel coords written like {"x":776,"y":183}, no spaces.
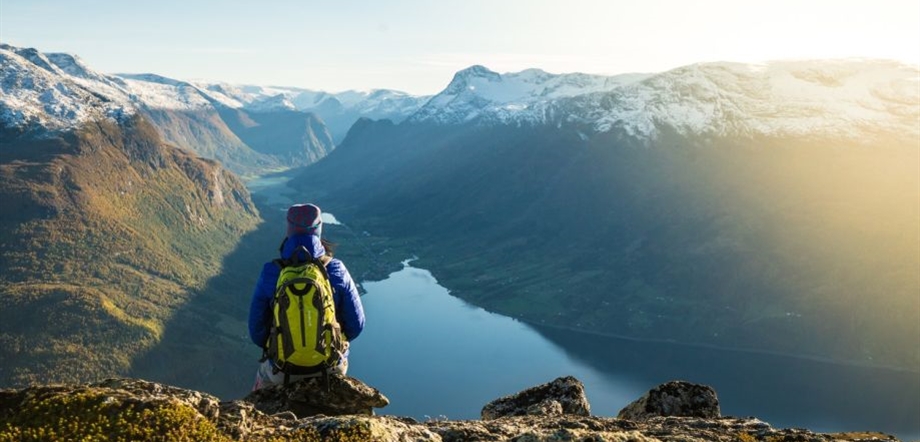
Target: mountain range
{"x":768,"y":207}
{"x":249,"y":129}
{"x":813,"y":98}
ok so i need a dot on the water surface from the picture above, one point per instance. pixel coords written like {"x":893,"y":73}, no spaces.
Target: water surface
{"x":435,"y":355}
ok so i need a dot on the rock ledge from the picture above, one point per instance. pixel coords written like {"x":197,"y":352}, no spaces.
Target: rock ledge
{"x":132,"y":409}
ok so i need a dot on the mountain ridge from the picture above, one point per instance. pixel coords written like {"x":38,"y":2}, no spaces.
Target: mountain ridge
{"x":849,"y":98}
{"x":705,"y":98}
{"x":729,"y":236}
{"x":43,"y":98}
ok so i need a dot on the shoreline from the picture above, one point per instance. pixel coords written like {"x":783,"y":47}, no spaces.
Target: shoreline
{"x":805,"y":357}
{"x":748,"y":350}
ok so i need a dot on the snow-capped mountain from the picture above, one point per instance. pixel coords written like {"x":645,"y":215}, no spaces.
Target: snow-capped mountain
{"x":479,"y":94}
{"x":247,"y":96}
{"x":166,"y":93}
{"x":58,"y":91}
{"x":158,"y":92}
{"x":845,"y":98}
{"x":338,"y":110}
{"x":386,"y":103}
{"x":375,"y":103}
{"x":55,"y":91}
{"x":42,"y":95}
{"x":272,"y":103}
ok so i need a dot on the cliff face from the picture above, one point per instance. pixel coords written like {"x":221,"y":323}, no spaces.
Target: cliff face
{"x":127,"y":409}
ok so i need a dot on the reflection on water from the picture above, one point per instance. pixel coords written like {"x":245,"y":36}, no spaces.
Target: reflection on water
{"x":784,"y":391}
{"x":433,"y":354}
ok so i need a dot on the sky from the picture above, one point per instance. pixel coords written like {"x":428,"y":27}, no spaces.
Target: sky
{"x":416,"y":46}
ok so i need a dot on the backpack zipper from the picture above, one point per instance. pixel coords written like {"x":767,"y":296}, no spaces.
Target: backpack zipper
{"x":303,"y":331}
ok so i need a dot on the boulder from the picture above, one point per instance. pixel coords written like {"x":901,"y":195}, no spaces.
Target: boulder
{"x":565,"y":395}
{"x":675,"y":398}
{"x":309,"y":397}
{"x":146,"y":391}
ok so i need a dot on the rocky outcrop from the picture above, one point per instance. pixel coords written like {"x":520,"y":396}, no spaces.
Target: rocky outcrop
{"x":675,"y":398}
{"x":310,"y":397}
{"x":562,"y":396}
{"x":130,"y":409}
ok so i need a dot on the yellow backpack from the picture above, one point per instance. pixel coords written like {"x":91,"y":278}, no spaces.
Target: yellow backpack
{"x":305,"y":337}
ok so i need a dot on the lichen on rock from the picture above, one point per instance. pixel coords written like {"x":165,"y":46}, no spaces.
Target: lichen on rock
{"x":565,"y":395}
{"x":675,"y":398}
{"x":344,"y":395}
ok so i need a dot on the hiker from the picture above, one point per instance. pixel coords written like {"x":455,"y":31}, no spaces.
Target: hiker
{"x":304,"y":235}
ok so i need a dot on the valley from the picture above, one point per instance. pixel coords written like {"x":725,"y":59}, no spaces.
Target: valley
{"x":744,"y":247}
{"x":769,"y":210}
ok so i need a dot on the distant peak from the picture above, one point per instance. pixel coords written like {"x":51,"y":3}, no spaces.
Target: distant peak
{"x":272,"y":103}
{"x":64,"y":57}
{"x":72,"y":65}
{"x":463,"y":77}
{"x":33,"y":56}
{"x":477,"y":69}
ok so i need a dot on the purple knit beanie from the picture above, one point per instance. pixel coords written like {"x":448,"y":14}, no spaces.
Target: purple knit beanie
{"x":304,"y":218}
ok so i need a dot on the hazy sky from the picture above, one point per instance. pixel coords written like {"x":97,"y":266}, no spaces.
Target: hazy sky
{"x":417,"y":45}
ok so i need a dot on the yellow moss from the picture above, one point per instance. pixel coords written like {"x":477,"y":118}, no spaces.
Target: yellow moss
{"x":95,"y":416}
{"x":745,"y":437}
{"x":353,"y":430}
{"x":308,"y":434}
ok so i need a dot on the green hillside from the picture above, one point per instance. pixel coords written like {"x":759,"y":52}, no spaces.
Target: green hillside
{"x":106,"y":231}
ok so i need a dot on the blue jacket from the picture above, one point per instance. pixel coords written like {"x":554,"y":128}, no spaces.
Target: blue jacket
{"x":348,"y":308}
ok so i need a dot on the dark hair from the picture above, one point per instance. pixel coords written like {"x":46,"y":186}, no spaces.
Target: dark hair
{"x":329,"y":246}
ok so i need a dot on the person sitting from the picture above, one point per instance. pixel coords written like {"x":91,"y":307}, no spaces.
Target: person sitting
{"x":304,"y":235}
